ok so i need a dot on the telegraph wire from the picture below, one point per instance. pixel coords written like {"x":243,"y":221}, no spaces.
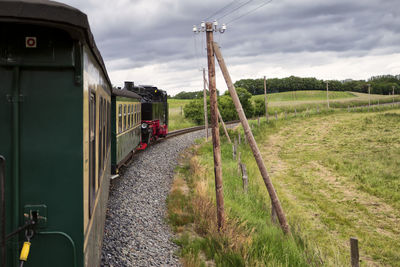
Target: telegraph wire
{"x":221,"y":9}
{"x":242,"y":5}
{"x":196,"y":54}
{"x":251,"y":11}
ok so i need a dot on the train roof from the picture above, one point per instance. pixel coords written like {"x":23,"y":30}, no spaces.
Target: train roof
{"x":125,"y":93}
{"x":51,"y":13}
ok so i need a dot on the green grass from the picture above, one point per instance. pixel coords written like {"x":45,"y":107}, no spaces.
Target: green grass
{"x":176,"y":118}
{"x":337,"y":176}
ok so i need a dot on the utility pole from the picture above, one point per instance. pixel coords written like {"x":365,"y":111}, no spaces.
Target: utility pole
{"x":327,"y":93}
{"x":265,"y":98}
{"x":215,"y":128}
{"x":205,"y":103}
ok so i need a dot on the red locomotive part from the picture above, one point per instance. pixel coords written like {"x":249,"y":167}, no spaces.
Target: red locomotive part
{"x":157,"y":131}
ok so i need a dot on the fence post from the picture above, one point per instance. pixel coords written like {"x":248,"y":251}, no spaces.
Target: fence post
{"x":276,"y":115}
{"x":239,"y":138}
{"x":295,"y":112}
{"x":239,"y":162}
{"x":234,"y":151}
{"x":258,"y":121}
{"x":245,"y":178}
{"x":355,"y":257}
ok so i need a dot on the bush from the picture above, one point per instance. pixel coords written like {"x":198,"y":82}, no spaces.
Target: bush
{"x":194,"y":110}
{"x":259,"y":107}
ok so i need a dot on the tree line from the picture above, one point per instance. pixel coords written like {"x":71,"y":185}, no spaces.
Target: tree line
{"x":379,"y":85}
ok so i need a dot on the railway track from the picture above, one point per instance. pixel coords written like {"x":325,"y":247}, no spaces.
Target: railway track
{"x":193,"y":129}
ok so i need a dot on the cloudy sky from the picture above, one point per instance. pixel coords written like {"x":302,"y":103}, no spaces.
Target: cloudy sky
{"x":151,"y":41}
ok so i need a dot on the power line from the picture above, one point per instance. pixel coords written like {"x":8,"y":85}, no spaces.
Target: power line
{"x":196,"y":54}
{"x":222,"y":9}
{"x":242,"y":5}
{"x":251,"y":11}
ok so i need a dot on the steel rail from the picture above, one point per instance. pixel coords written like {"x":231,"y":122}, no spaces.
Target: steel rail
{"x":193,"y":129}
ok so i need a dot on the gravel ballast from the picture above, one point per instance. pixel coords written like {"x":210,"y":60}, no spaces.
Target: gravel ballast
{"x":136,"y":232}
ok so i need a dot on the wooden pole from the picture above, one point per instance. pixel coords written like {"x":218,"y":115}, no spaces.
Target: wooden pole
{"x":265,"y":98}
{"x":253,"y":145}
{"x":205,"y":103}
{"x":224,"y":127}
{"x":215,"y":129}
{"x":327,"y":93}
{"x":355,"y":257}
{"x":222,"y":122}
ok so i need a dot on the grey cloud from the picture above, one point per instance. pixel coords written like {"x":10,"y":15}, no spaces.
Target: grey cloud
{"x":147,"y":32}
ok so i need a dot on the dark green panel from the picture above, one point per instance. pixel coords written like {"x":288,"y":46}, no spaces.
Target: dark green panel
{"x":6,"y":139}
{"x":51,"y":159}
{"x":50,"y":140}
{"x":127,"y":142}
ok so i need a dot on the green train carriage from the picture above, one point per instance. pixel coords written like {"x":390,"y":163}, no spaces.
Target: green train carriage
{"x":125,"y":126}
{"x":55,"y":103}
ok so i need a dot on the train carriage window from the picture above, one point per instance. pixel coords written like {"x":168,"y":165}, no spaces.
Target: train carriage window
{"x":119,"y":118}
{"x":100,"y":150}
{"x":124,"y":117}
{"x":136,"y":114}
{"x":92,"y":153}
{"x":132,"y":114}
{"x":136,"y":111}
{"x":109,"y":125}
{"x":105,"y":127}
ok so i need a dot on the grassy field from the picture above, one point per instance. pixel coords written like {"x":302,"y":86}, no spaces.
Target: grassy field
{"x":337,"y":176}
{"x":311,"y":95}
{"x":176,"y":118}
{"x":289,"y":102}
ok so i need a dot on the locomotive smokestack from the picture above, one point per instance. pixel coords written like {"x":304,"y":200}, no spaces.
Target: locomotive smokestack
{"x":129,"y":86}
